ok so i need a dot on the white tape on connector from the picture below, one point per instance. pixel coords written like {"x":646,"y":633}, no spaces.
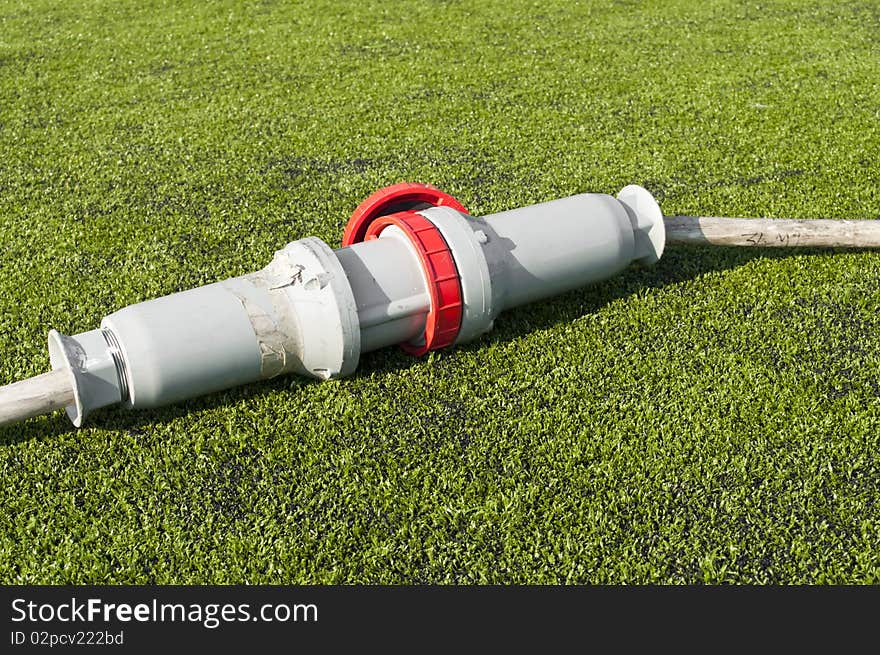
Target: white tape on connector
{"x":275,"y":327}
{"x":302,"y":311}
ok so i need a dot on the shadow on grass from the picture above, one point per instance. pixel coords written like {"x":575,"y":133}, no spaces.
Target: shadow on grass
{"x":679,"y":264}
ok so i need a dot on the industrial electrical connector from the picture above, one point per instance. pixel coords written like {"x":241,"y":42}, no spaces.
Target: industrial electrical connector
{"x":415,"y":269}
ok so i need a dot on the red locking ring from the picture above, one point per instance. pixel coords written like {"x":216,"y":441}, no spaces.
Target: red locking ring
{"x":444,"y":284}
{"x":406,"y":196}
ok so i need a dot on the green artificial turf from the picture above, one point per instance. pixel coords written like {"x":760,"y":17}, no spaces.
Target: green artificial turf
{"x":715,"y":418}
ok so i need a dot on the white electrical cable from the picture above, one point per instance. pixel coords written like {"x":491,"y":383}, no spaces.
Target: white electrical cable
{"x":38,"y":395}
{"x":772,"y":232}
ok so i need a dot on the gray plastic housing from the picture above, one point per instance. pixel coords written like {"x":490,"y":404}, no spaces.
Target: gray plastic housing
{"x":312,"y":311}
{"x":525,"y":255}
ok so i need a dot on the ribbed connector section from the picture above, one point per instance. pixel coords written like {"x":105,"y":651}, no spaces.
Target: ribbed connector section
{"x":118,"y":362}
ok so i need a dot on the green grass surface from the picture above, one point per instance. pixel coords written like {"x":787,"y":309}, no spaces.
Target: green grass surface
{"x":715,"y":418}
